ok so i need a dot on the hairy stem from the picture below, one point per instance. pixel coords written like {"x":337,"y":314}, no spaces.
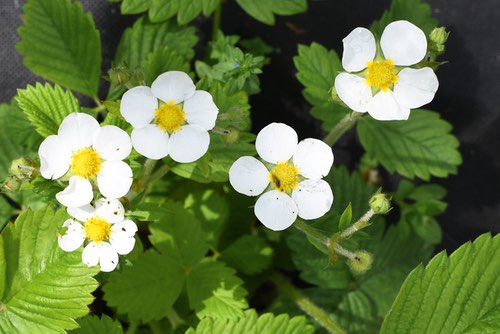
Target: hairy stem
{"x":159,"y":173}
{"x":362,"y":222}
{"x":345,"y":124}
{"x":217,"y":19}
{"x":312,"y":232}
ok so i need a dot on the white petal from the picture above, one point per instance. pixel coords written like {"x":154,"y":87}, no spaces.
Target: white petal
{"x":112,"y":143}
{"x":173,"y":86}
{"x":150,"y":142}
{"x":73,"y":238}
{"x":313,"y":158}
{"x":248,"y":176}
{"x":82,"y":213}
{"x":404,"y":43}
{"x":353,"y":91}
{"x":122,"y":237}
{"x":189,"y":143}
{"x":384,"y":107}
{"x":110,"y":209}
{"x":115,"y":179}
{"x":55,"y":157}
{"x":200,"y":109}
{"x":359,"y":49}
{"x":276,"y":142}
{"x":416,"y":87}
{"x":138,"y":106}
{"x":77,"y":193}
{"x":276,"y":210}
{"x":90,"y":254}
{"x":314,"y":198}
{"x":78,"y":130}
{"x":108,"y":258}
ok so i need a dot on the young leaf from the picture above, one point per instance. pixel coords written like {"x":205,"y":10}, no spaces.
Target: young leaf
{"x":46,"y":106}
{"x":346,"y":218}
{"x":148,"y":289}
{"x":455,"y":294}
{"x":251,"y":323}
{"x":422,"y":146}
{"x":60,"y":42}
{"x":42,"y":288}
{"x":93,"y":324}
{"x":249,"y":254}
{"x":264,"y":10}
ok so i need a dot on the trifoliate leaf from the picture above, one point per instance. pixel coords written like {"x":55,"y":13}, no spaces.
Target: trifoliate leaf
{"x":455,"y":294}
{"x":93,"y":324}
{"x":264,"y":10}
{"x":60,"y":42}
{"x":249,"y":254}
{"x":420,"y":147}
{"x":46,"y":106}
{"x":42,"y":288}
{"x":179,"y":234}
{"x":163,"y":60}
{"x":251,"y":323}
{"x":415,"y":11}
{"x":215,"y":291}
{"x":148,"y":289}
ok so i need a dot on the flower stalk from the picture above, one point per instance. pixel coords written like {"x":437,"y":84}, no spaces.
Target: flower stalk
{"x":345,"y":124}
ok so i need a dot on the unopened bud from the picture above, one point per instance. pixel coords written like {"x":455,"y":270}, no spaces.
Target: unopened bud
{"x":438,"y":38}
{"x":232,"y":137}
{"x":380,"y":203}
{"x":119,"y":75}
{"x":12,"y":183}
{"x":24,"y":169}
{"x":361,"y":262}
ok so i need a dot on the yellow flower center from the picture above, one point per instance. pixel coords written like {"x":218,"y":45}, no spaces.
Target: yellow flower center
{"x":170,"y":117}
{"x":381,"y":74}
{"x":284,"y":177}
{"x":86,"y":163}
{"x":97,"y":229}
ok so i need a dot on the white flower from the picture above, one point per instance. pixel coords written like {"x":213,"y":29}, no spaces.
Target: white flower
{"x":170,"y":118}
{"x":295,"y":177}
{"x":106,"y":229}
{"x":88,"y":153}
{"x":384,"y":90}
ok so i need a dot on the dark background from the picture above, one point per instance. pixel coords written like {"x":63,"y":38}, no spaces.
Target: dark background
{"x":468,"y":96}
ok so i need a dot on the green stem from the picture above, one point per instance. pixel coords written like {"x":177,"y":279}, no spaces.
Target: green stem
{"x":312,"y":232}
{"x":306,"y":305}
{"x":132,"y":328}
{"x":149,"y":165}
{"x":217,"y":19}
{"x":345,"y":124}
{"x":362,"y":222}
{"x":155,"y":327}
{"x":159,"y":173}
{"x":174,"y":318}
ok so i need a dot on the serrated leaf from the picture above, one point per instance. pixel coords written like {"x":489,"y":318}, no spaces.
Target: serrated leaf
{"x":148,"y":289}
{"x":455,"y":294}
{"x":17,"y":126}
{"x":135,"y":6}
{"x":162,"y":10}
{"x":215,"y":291}
{"x":42,"y":288}
{"x":94,"y":325}
{"x":60,"y":42}
{"x":163,"y":60}
{"x":264,"y":10}
{"x":420,"y":147}
{"x":251,"y":323}
{"x":46,"y":106}
{"x":10,"y":148}
{"x":249,"y":254}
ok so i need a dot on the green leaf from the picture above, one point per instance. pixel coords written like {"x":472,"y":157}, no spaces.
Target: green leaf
{"x":162,"y":10}
{"x":94,"y":324}
{"x":420,"y":147}
{"x":251,"y":323}
{"x":186,"y":10}
{"x":456,"y":294}
{"x":215,"y":291}
{"x":10,"y":148}
{"x":60,"y":42}
{"x":415,"y":11}
{"x":135,"y":6}
{"x":148,"y":289}
{"x":249,"y":254}
{"x":345,"y":218}
{"x":42,"y":288}
{"x":264,"y":10}
{"x":46,"y":106}
{"x":161,"y":61}
{"x":17,"y":126}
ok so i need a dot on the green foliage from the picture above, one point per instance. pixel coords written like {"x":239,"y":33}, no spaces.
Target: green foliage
{"x":46,"y":106}
{"x":60,"y":42}
{"x":264,"y":10}
{"x":251,"y":323}
{"x":17,"y":126}
{"x":96,"y":325}
{"x":42,"y":288}
{"x":163,"y":60}
{"x":456,"y":294}
{"x":420,"y":147}
{"x":316,"y":70}
{"x":249,"y":254}
{"x":11,"y":148}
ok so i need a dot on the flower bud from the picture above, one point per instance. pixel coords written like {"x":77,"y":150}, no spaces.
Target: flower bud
{"x":232,"y":137}
{"x":380,"y":203}
{"x":24,"y":169}
{"x":438,"y":38}
{"x":12,"y":183}
{"x":361,"y":263}
{"x":119,"y":75}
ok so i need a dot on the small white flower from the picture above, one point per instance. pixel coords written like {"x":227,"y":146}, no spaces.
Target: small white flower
{"x":384,"y":90}
{"x":170,"y":118}
{"x":106,"y":229}
{"x":295,"y":177}
{"x":88,"y":153}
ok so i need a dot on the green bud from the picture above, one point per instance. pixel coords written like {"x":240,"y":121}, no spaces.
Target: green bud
{"x":12,"y":183}
{"x":380,"y":203}
{"x":361,"y":263}
{"x":119,"y":75}
{"x":24,"y":169}
{"x":438,"y":38}
{"x":232,"y":137}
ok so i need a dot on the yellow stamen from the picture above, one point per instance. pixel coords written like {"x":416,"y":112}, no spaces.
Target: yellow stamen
{"x":97,"y":229}
{"x":170,"y":117}
{"x":86,"y":163}
{"x":284,"y":177}
{"x":381,"y":74}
